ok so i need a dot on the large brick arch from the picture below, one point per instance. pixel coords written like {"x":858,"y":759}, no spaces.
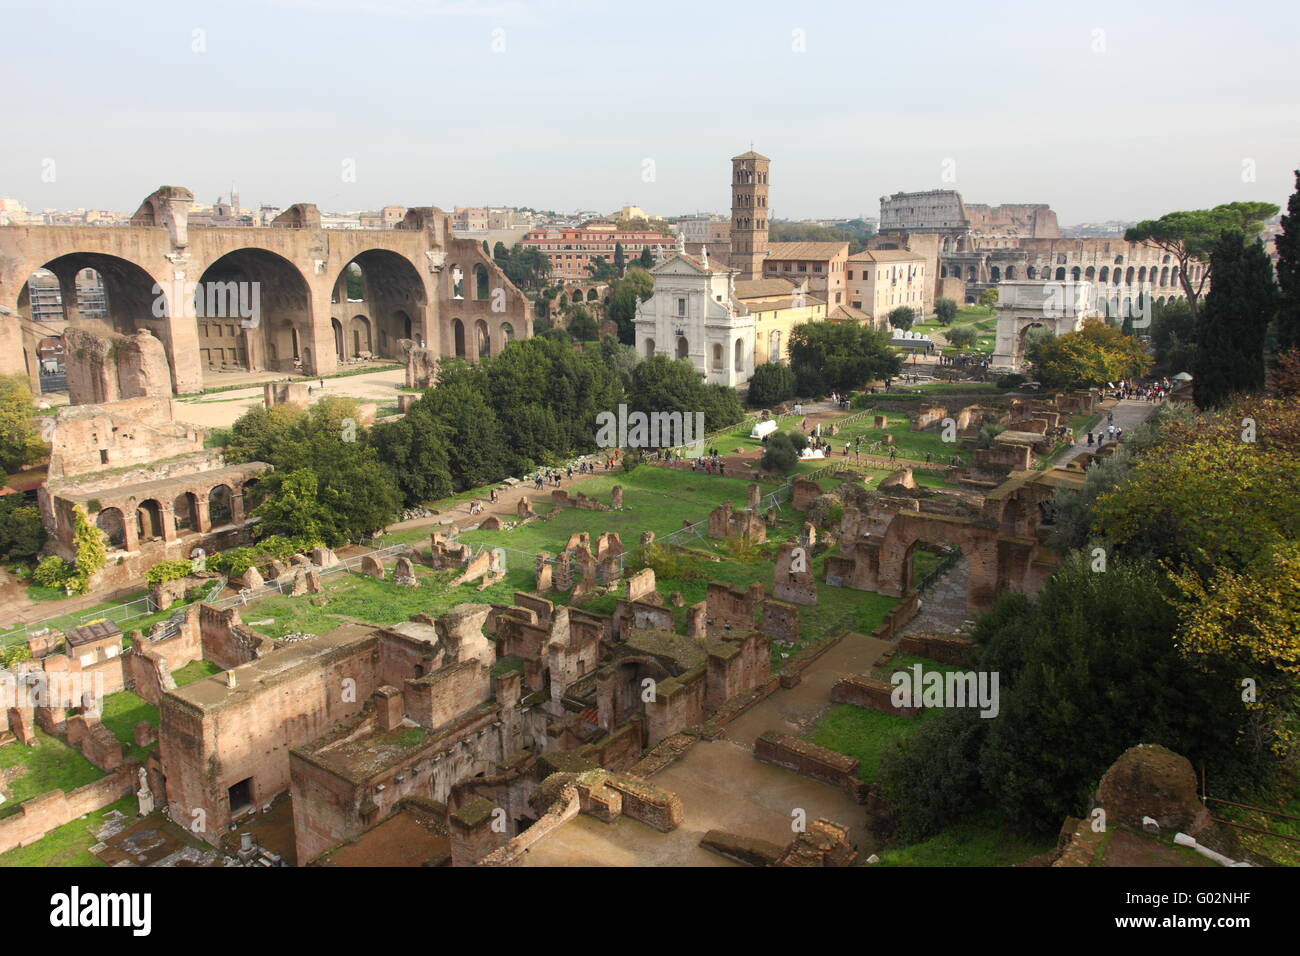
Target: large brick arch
{"x":416,"y":256}
{"x":978,"y":544}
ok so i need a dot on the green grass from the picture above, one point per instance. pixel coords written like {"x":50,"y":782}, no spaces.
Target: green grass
{"x":68,"y":845}
{"x":911,"y":445}
{"x":979,"y":841}
{"x":63,"y":622}
{"x":195,"y":670}
{"x":122,"y":711}
{"x":862,"y":734}
{"x":50,"y":765}
{"x":655,"y":499}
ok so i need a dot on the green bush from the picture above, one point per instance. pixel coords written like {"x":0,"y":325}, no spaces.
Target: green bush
{"x":165,"y":571}
{"x":1010,"y":380}
{"x":53,"y":572}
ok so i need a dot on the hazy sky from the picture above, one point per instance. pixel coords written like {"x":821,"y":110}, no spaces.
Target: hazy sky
{"x":1104,"y":110}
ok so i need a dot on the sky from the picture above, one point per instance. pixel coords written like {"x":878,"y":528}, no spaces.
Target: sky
{"x":1103,"y":110}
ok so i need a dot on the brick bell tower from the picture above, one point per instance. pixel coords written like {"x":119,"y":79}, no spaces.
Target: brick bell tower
{"x":749,"y":214}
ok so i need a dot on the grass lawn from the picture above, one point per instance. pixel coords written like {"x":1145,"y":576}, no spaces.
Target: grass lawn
{"x":862,"y":734}
{"x":910,"y":444}
{"x":50,"y":765}
{"x":68,"y":845}
{"x":195,"y":670}
{"x":655,"y":499}
{"x":122,"y":711}
{"x":866,"y":734}
{"x":106,"y":610}
{"x":980,"y":841}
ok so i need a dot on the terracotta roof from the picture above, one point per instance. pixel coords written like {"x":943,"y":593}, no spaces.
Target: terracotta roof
{"x":750,"y":155}
{"x":806,"y":250}
{"x":764,"y":288}
{"x":847,"y":312}
{"x":886,"y":255}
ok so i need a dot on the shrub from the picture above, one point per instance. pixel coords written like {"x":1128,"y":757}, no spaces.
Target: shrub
{"x":771,"y":384}
{"x":964,"y":336}
{"x":165,"y":571}
{"x":53,"y":572}
{"x":1010,"y":380}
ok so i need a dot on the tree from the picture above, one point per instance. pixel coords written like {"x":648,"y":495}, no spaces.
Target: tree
{"x":294,"y":510}
{"x":582,"y":326}
{"x":22,"y":532}
{"x":20,"y":443}
{"x":647,"y":258}
{"x":356,"y":283}
{"x":620,"y":358}
{"x":636,"y":286}
{"x":1093,"y":355}
{"x":600,"y":270}
{"x":963,"y":336}
{"x":1231,"y":328}
{"x":902,"y":317}
{"x":660,"y":384}
{"x":1189,"y":236}
{"x":781,"y":452}
{"x":989,"y":299}
{"x":620,"y":259}
{"x":1173,"y":337}
{"x":500,"y":254}
{"x":486,"y":250}
{"x":840,"y":356}
{"x":1288,"y":273}
{"x":945,"y":310}
{"x":358,"y":494}
{"x":414,"y":448}
{"x":90,"y":548}
{"x":771,"y":384}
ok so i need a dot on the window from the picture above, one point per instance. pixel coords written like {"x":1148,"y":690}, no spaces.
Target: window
{"x":681,"y":306}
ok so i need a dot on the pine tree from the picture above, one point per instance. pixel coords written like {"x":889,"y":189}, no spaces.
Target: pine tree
{"x":620,"y":259}
{"x":1288,"y":274}
{"x":1232,"y":326}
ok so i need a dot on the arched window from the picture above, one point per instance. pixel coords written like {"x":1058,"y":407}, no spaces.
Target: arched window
{"x":717,"y":356}
{"x":649,"y":348}
{"x":480,"y":281}
{"x":683,"y":347}
{"x":110,"y":522}
{"x":219,"y":506}
{"x":185,"y":512}
{"x":148,"y":521}
{"x":740,"y":355}
{"x":458,"y":337}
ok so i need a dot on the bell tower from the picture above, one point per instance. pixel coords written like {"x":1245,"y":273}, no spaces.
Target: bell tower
{"x":749,"y":214}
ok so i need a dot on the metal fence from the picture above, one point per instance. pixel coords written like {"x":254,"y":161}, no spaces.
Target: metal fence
{"x":284,"y":584}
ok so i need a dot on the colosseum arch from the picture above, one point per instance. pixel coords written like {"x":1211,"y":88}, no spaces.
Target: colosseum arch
{"x":261,"y":281}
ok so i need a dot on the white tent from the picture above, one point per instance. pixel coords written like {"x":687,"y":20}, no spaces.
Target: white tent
{"x":763,"y":429}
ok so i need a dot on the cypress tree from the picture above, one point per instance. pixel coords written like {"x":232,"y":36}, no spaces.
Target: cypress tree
{"x":1288,"y":274}
{"x":1231,"y":329}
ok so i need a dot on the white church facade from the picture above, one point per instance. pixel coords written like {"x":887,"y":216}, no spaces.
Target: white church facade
{"x":694,"y":314}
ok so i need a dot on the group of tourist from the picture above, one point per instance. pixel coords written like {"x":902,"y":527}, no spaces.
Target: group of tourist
{"x":710,"y":463}
{"x":1155,"y":391}
{"x":1110,"y":433}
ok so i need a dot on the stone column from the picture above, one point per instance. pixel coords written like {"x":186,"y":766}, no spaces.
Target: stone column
{"x":203,"y":514}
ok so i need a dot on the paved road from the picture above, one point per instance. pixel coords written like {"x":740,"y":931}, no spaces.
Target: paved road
{"x":1127,"y":413}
